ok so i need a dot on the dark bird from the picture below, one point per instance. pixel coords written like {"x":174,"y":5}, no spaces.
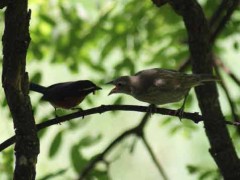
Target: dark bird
{"x":65,"y":95}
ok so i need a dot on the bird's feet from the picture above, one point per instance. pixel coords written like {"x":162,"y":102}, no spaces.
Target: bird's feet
{"x":151,"y":109}
{"x":180,"y":113}
{"x":78,"y":109}
{"x":56,"y":115}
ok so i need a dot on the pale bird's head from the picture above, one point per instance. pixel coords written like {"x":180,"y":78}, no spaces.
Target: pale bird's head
{"x":122,"y":85}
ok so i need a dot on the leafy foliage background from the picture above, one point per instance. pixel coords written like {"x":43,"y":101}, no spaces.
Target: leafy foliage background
{"x":100,"y":40}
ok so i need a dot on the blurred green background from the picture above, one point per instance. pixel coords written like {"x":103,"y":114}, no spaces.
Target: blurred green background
{"x":100,"y":40}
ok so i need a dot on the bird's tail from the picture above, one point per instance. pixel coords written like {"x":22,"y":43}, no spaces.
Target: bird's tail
{"x":37,"y":88}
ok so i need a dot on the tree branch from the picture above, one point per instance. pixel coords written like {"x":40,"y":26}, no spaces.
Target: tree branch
{"x":16,"y":39}
{"x":222,"y":149}
{"x":195,"y":117}
{"x":215,"y":27}
{"x":101,"y":156}
{"x":225,"y":89}
{"x":159,"y":3}
{"x":218,"y":13}
{"x":231,"y":8}
{"x":3,"y":3}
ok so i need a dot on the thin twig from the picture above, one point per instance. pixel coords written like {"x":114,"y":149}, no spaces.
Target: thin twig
{"x":219,"y":63}
{"x":215,"y":30}
{"x":156,"y":162}
{"x":218,"y":13}
{"x":224,"y":20}
{"x":225,"y":89}
{"x":101,"y":156}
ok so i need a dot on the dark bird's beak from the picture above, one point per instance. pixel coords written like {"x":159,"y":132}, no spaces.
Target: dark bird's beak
{"x":98,"y":88}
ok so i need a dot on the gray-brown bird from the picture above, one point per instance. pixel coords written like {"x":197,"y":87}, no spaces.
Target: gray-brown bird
{"x":159,"y":86}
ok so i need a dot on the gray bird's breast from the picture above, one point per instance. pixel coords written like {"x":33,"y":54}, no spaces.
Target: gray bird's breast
{"x":159,"y":97}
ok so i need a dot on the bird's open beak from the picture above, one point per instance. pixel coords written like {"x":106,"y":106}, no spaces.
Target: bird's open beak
{"x":110,"y":82}
{"x":114,"y":90}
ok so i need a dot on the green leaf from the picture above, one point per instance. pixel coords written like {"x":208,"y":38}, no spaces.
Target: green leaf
{"x":7,"y":160}
{"x":206,"y":175}
{"x":42,"y":132}
{"x":77,"y":159}
{"x":4,"y":102}
{"x":175,"y":129}
{"x":36,"y":78}
{"x":165,"y":121}
{"x":119,"y":100}
{"x":55,"y":146}
{"x":47,"y":19}
{"x":89,"y":140}
{"x":236,"y":45}
{"x":101,"y":175}
{"x":192,"y":169}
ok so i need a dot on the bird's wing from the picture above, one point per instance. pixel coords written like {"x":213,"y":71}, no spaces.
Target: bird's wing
{"x":155,"y":70}
{"x":163,"y":79}
{"x":167,"y":82}
{"x":68,"y":89}
{"x":175,"y":81}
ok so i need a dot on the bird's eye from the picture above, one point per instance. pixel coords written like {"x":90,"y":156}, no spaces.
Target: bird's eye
{"x":119,"y":84}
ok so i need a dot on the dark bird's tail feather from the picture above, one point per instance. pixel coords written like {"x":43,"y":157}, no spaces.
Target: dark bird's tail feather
{"x":37,"y":88}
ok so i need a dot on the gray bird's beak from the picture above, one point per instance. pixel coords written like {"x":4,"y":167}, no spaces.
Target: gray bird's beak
{"x":114,"y":90}
{"x":110,"y":82}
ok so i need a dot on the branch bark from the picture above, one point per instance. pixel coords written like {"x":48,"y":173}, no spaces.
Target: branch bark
{"x":16,"y":39}
{"x":232,"y":6}
{"x":216,"y":24}
{"x":195,"y":117}
{"x":3,"y":3}
{"x":222,"y":149}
